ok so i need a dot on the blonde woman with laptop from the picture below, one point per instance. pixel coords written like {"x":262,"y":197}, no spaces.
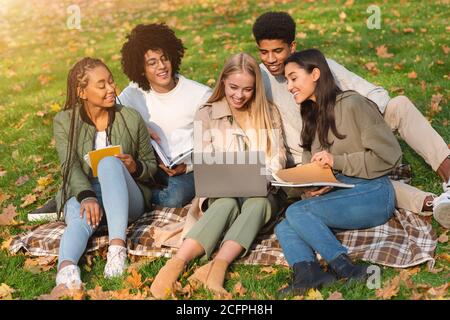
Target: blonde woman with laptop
{"x":237,"y":117}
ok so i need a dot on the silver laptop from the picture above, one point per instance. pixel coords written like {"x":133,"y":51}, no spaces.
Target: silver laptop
{"x":230,"y":174}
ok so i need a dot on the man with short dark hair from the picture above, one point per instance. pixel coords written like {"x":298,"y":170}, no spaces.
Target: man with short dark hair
{"x":274,"y":33}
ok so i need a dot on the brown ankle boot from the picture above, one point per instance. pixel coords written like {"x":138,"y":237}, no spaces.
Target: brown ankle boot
{"x":211,"y":275}
{"x":162,"y":286}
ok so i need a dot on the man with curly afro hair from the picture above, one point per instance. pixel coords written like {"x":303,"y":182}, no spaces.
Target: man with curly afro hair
{"x":167,"y":101}
{"x":274,"y":33}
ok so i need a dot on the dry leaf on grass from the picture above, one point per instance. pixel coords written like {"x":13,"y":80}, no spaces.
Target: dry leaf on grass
{"x":186,"y":292}
{"x":61,"y":291}
{"x":19,"y":182}
{"x":137,"y":265}
{"x":6,"y":292}
{"x":4,"y":197}
{"x":435,"y":101}
{"x":232,"y":275}
{"x":446,"y":49}
{"x":6,"y":244}
{"x":239,"y":290}
{"x":412,"y":75}
{"x":390,"y":289}
{"x":270,"y":270}
{"x":372,"y":67}
{"x":382,"y":52}
{"x":336,"y":296}
{"x":28,"y":199}
{"x":444,"y":256}
{"x":313,"y":294}
{"x":7,"y":217}
{"x":40,"y":264}
{"x":98,"y":294}
{"x":438,"y":292}
{"x":134,"y":281}
{"x":45,"y":181}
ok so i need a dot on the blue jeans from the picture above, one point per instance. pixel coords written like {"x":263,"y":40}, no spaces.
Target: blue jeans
{"x":308,"y":223}
{"x":176,"y":192}
{"x":121,"y":200}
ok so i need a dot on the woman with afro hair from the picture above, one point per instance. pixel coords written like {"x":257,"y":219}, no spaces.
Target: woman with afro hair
{"x":167,"y":101}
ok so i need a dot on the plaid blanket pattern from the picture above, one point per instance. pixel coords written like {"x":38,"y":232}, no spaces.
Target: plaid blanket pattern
{"x":405,"y":240}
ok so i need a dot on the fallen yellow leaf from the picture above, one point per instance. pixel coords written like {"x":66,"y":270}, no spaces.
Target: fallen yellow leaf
{"x":6,"y":292}
{"x":314,"y":294}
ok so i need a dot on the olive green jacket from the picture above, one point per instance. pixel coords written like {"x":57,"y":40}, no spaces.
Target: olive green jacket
{"x":126,"y":128}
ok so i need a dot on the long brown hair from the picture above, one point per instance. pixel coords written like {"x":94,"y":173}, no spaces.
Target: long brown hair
{"x":318,"y":117}
{"x":77,"y":80}
{"x":260,"y":107}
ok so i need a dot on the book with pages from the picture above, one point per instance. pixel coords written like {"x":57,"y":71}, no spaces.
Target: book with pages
{"x":308,"y":175}
{"x":171,"y":162}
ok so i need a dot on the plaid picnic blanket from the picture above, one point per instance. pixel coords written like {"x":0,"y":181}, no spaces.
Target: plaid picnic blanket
{"x":405,"y":240}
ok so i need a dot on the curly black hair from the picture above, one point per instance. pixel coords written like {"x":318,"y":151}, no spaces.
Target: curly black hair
{"x":274,"y":25}
{"x":146,"y":37}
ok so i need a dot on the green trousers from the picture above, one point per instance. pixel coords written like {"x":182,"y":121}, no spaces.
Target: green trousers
{"x":237,"y":219}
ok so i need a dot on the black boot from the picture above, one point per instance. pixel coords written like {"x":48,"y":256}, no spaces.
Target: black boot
{"x":343,"y":267}
{"x":307,"y":275}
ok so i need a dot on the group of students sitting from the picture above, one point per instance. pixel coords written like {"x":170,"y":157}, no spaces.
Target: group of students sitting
{"x":314,"y":110}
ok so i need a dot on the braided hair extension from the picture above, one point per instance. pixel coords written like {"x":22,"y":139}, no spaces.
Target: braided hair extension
{"x":77,"y":80}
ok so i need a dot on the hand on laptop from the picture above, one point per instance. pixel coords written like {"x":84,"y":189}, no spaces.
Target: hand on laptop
{"x":175,"y":171}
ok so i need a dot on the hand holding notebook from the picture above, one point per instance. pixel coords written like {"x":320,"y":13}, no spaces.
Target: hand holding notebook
{"x":94,"y":157}
{"x":171,"y":162}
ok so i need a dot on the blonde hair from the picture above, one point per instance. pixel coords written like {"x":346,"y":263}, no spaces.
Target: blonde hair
{"x":260,"y":107}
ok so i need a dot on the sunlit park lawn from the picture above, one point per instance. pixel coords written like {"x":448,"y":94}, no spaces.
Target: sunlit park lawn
{"x":37,"y":48}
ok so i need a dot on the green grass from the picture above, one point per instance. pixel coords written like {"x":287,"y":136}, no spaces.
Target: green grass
{"x":34,"y":42}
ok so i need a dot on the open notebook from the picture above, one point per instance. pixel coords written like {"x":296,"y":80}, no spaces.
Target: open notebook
{"x":308,"y":175}
{"x":171,"y":162}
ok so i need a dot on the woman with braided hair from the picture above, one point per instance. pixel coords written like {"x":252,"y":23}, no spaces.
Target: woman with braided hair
{"x":91,"y":120}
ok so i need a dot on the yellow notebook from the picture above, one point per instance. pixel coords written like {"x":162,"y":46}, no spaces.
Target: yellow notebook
{"x":96,"y":155}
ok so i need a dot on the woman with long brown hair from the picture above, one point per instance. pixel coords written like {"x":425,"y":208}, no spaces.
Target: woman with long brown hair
{"x":238,"y":104}
{"x":346,"y":132}
{"x":92,"y":120}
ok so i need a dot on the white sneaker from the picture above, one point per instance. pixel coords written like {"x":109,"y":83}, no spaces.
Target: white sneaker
{"x":446,"y":186}
{"x":116,"y":261}
{"x":441,"y":207}
{"x":70,"y":277}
